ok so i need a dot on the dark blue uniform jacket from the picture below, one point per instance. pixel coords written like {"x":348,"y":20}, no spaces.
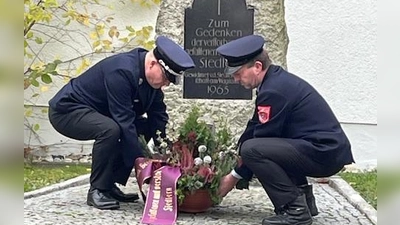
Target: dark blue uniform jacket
{"x":116,"y":87}
{"x":300,"y":115}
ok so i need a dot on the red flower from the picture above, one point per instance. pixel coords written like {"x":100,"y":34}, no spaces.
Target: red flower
{"x":206,"y":173}
{"x":192,"y":136}
{"x":186,"y":158}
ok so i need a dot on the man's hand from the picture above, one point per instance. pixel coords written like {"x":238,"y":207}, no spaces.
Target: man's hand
{"x":228,"y":182}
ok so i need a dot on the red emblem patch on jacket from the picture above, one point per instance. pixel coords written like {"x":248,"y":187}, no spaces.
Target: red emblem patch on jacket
{"x":264,"y":113}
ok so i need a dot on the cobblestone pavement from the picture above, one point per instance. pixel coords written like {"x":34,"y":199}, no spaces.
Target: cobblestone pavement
{"x":68,"y":206}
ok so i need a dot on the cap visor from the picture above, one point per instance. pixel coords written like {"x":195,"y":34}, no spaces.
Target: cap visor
{"x":231,"y":70}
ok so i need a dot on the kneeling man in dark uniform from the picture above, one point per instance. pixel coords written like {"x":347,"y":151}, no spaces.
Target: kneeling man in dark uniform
{"x":293,"y":134}
{"x":107,"y":103}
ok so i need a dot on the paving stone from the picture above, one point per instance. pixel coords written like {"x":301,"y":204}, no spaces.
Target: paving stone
{"x":244,"y":207}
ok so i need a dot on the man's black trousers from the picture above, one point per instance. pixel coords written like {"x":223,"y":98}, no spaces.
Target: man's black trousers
{"x":107,"y":162}
{"x":281,"y":168}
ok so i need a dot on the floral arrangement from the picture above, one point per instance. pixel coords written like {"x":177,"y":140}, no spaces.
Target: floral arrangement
{"x":203,"y":151}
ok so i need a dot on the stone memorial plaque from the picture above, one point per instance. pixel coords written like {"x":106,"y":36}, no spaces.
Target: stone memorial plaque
{"x":209,"y":24}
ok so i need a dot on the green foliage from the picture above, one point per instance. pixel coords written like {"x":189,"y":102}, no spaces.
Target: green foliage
{"x":38,"y":176}
{"x":188,"y":184}
{"x":52,"y":27}
{"x":223,"y":136}
{"x":202,"y":150}
{"x":44,"y":21}
{"x":365,"y":183}
{"x":143,"y":144}
{"x":217,"y":139}
{"x":147,"y":3}
{"x":45,"y":74}
{"x":203,"y":131}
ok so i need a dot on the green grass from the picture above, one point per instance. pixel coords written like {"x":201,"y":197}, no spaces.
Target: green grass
{"x":365,"y":183}
{"x":38,"y":176}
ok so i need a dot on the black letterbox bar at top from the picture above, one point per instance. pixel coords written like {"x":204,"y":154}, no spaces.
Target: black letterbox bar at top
{"x":209,"y":24}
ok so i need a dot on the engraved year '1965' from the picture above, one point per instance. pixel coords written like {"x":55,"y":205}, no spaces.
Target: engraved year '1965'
{"x":217,"y":90}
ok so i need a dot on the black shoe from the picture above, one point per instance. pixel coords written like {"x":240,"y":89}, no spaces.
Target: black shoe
{"x":294,"y":213}
{"x":117,"y":194}
{"x":101,"y":200}
{"x":308,"y":191}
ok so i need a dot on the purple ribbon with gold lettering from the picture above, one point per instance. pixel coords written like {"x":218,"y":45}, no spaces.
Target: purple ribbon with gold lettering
{"x":144,"y":171}
{"x":161,"y":206}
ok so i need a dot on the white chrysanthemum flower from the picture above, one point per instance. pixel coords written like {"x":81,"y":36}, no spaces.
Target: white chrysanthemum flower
{"x":168,"y":152}
{"x":198,"y":161}
{"x":221,"y":155}
{"x":202,"y":148}
{"x":207,"y":159}
{"x":163,"y":144}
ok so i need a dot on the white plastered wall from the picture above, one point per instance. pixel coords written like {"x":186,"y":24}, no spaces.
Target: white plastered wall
{"x":333,"y":45}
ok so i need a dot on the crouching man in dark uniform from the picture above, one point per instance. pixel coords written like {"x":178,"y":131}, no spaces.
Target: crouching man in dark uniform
{"x":293,"y":134}
{"x":106,"y":104}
